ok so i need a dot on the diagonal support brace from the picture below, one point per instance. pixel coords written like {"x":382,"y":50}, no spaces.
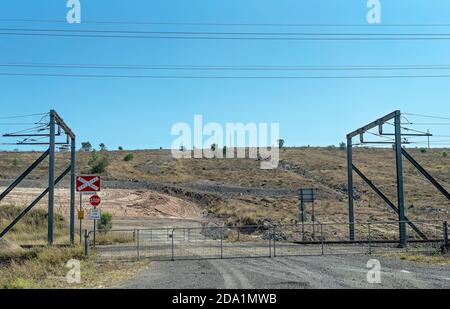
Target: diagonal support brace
{"x":37,"y":200}
{"x":426,"y":174}
{"x":387,"y":201}
{"x":24,"y":174}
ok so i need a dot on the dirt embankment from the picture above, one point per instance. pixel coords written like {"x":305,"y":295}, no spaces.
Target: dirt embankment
{"x":119,"y":202}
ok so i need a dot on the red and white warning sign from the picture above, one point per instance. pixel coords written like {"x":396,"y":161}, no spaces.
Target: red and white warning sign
{"x":88,"y":184}
{"x":95,"y":200}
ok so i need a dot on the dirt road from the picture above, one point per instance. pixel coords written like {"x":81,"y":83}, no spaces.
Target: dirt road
{"x":324,"y":272}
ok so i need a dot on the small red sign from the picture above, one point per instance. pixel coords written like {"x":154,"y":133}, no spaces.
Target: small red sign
{"x":88,"y":184}
{"x":95,"y":200}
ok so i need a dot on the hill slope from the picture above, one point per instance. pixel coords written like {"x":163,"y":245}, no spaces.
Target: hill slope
{"x":238,"y":191}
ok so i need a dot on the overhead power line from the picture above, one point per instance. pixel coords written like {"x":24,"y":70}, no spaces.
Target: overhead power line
{"x":428,"y":116}
{"x":224,"y":35}
{"x":23,"y":116}
{"x":226,"y":68}
{"x":221,"y":77}
{"x":223,"y":24}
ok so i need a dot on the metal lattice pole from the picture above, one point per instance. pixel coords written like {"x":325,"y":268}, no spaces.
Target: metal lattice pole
{"x":400,"y":190}
{"x":72,"y":189}
{"x":351,"y":215}
{"x":51,"y":178}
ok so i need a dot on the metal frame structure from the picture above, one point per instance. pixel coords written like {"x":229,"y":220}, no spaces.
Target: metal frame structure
{"x":55,"y":126}
{"x":399,"y":153}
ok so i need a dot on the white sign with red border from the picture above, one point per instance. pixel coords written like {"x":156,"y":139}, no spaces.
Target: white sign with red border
{"x":95,"y":200}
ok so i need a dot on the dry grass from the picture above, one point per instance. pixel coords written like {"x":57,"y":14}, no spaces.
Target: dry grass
{"x":32,"y":229}
{"x":436,"y":258}
{"x":45,"y":267}
{"x":114,"y":237}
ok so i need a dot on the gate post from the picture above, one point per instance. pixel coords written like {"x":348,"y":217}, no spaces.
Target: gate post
{"x":321,"y":238}
{"x":446,"y":245}
{"x":86,"y":243}
{"x":221,"y":242}
{"x":370,"y":237}
{"x":274,"y":243}
{"x":173,"y":253}
{"x":138,"y":245}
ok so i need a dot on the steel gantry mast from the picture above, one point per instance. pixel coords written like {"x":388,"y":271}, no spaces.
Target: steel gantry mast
{"x":56,"y":127}
{"x":397,"y":142}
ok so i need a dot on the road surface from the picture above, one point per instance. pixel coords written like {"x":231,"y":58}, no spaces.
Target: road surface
{"x":322,"y":272}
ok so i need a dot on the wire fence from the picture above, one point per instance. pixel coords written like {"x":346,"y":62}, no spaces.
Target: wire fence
{"x":215,"y":242}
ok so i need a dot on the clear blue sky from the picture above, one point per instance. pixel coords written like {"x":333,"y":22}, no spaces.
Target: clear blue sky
{"x":139,"y":113}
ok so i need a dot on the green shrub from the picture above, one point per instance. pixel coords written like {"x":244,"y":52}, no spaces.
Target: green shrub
{"x":445,"y":154}
{"x":16,"y":162}
{"x":129,"y":157}
{"x":423,"y":150}
{"x":105,"y":222}
{"x":98,"y":163}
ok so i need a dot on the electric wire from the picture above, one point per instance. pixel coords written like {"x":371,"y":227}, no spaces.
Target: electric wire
{"x":240,"y":24}
{"x":226,"y":68}
{"x":423,"y":37}
{"x":224,"y":77}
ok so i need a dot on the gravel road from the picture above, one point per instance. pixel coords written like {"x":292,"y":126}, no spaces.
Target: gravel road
{"x":324,"y":272}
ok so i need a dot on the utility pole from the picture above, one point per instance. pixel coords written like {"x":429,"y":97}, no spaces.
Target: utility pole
{"x":400,"y":191}
{"x":51,"y":178}
{"x":72,"y":188}
{"x":351,"y":215}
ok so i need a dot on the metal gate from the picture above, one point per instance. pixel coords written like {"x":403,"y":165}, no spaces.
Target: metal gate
{"x":261,"y":241}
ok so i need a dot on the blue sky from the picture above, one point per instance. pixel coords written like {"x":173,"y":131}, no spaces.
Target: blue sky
{"x":139,"y":113}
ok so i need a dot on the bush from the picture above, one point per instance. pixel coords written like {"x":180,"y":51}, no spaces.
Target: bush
{"x":120,"y":148}
{"x":423,"y":150}
{"x":129,"y":157}
{"x":98,"y":163}
{"x":445,"y":154}
{"x":105,"y":222}
{"x":342,"y":146}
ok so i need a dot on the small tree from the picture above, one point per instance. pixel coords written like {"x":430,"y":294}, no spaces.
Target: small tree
{"x":102,"y":147}
{"x":182,"y":148}
{"x":342,"y":146}
{"x":86,"y":146}
{"x":98,"y":163}
{"x":120,"y":148}
{"x":16,"y":162}
{"x":280,"y":143}
{"x":445,"y":154}
{"x":213,"y":147}
{"x":129,"y":157}
{"x":423,"y":150}
{"x":105,"y":222}
{"x":224,"y":151}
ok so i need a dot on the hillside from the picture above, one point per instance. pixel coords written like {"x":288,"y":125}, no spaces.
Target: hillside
{"x":237,"y":191}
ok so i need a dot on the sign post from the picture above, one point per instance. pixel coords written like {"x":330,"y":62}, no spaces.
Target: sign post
{"x":95,"y":214}
{"x":307,"y":196}
{"x":86,"y":185}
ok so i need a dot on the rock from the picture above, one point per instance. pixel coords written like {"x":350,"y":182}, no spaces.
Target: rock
{"x":8,"y":248}
{"x":215,"y":231}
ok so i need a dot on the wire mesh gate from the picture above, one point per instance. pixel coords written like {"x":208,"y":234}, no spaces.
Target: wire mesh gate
{"x":261,"y":241}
